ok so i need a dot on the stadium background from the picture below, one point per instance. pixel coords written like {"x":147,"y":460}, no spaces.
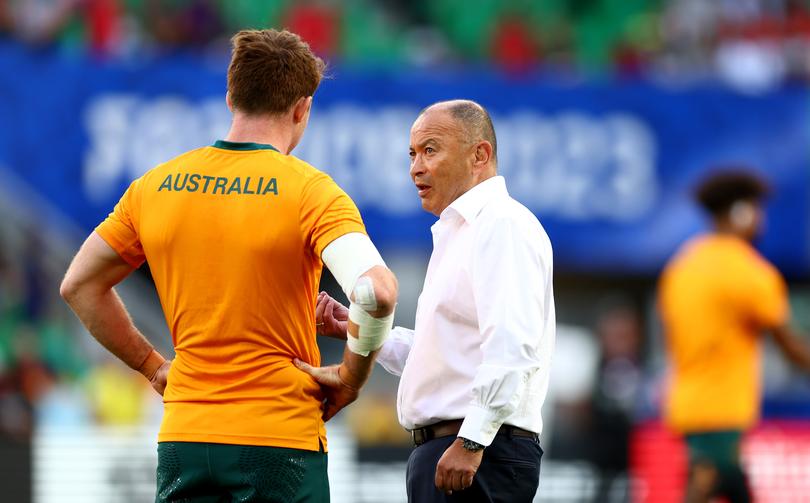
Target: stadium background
{"x":607,"y":112}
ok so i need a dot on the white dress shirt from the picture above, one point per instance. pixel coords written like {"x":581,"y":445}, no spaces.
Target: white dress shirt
{"x":485,"y":323}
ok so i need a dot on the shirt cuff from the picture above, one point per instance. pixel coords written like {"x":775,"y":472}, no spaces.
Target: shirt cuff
{"x":394,"y":352}
{"x":481,"y":425}
{"x":388,"y":358}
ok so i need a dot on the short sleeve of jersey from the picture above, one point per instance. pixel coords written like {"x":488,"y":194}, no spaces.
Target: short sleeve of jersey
{"x":120,"y":229}
{"x":769,"y":299}
{"x":327,"y":213}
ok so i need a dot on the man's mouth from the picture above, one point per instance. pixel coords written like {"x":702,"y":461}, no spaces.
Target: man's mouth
{"x":422,"y":188}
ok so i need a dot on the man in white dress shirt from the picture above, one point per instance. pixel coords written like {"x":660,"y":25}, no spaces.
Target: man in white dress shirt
{"x":475,"y":370}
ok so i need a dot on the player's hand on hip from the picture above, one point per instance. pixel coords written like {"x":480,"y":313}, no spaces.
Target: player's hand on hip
{"x":457,"y":467}
{"x":337,"y":391}
{"x":331,"y":317}
{"x":161,"y":377}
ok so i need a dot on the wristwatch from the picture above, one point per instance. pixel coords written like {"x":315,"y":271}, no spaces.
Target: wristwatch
{"x":470,"y":445}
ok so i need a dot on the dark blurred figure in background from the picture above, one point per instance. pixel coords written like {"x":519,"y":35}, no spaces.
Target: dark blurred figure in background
{"x":717,"y":294}
{"x":184,"y":23}
{"x":22,"y":377}
{"x":36,"y":289}
{"x":614,"y":400}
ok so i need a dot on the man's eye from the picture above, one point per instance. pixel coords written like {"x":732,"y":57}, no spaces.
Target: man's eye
{"x":429,"y":150}
{"x":412,"y":154}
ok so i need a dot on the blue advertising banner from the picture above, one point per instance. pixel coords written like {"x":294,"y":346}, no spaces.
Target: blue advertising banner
{"x":608,"y":167}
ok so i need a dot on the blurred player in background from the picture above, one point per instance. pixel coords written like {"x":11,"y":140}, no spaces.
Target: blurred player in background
{"x":614,"y":399}
{"x":475,"y":369}
{"x":717,"y":295}
{"x":236,"y":235}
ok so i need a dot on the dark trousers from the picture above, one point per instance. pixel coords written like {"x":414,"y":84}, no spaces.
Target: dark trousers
{"x":509,"y":472}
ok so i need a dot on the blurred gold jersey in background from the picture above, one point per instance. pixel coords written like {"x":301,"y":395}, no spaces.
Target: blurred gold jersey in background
{"x":716,"y":296}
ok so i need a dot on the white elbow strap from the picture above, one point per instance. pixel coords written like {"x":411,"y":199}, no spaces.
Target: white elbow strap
{"x":349,"y":257}
{"x":372,"y":331}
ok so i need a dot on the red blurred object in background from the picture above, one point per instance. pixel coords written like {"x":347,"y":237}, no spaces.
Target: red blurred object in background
{"x":103,"y":18}
{"x":776,"y":456}
{"x":317,"y":25}
{"x":513,"y":46}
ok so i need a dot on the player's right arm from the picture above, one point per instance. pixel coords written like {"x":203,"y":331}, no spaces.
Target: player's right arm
{"x":88,"y":290}
{"x":108,"y":256}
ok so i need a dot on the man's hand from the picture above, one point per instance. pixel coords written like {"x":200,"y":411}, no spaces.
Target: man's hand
{"x":331,"y":317}
{"x":161,"y":376}
{"x":338,"y":392}
{"x":457,"y":467}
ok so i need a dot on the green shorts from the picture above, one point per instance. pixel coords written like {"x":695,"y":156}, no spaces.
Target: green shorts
{"x":195,"y":472}
{"x":719,"y":448}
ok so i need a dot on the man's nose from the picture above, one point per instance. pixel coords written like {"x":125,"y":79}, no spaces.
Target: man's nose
{"x":417,"y":168}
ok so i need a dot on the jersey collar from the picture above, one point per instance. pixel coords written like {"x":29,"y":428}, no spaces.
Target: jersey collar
{"x":235,"y":145}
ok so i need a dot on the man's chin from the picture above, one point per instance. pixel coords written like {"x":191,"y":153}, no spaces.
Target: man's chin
{"x":428,"y":207}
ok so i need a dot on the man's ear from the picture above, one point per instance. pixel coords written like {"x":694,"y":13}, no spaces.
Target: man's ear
{"x":301,"y":109}
{"x":228,"y":101}
{"x":482,"y":154}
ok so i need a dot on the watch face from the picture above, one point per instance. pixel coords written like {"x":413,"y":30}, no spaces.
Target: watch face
{"x":470,"y":445}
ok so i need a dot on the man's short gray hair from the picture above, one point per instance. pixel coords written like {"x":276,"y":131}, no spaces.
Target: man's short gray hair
{"x":475,"y":119}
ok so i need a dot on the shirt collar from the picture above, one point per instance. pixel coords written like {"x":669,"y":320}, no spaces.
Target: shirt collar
{"x":469,"y":204}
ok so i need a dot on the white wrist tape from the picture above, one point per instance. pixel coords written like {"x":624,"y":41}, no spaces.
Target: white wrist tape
{"x":372,"y":331}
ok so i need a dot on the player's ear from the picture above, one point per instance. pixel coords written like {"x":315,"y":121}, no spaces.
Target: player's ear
{"x":301,"y":108}
{"x":228,"y":101}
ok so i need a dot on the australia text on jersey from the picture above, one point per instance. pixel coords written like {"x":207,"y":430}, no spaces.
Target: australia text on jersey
{"x":192,"y":182}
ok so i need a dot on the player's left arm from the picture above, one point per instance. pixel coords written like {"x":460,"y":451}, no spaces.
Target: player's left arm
{"x":88,"y":290}
{"x":792,"y":345}
{"x":767,"y":292}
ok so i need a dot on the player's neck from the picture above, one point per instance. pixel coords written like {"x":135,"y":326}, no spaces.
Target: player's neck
{"x":250,"y":129}
{"x":725,"y":228}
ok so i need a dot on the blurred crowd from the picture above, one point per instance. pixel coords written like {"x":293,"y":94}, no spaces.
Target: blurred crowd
{"x":754,"y":43}
{"x":52,"y":374}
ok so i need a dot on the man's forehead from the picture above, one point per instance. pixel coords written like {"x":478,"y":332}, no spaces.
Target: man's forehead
{"x":433,"y":124}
